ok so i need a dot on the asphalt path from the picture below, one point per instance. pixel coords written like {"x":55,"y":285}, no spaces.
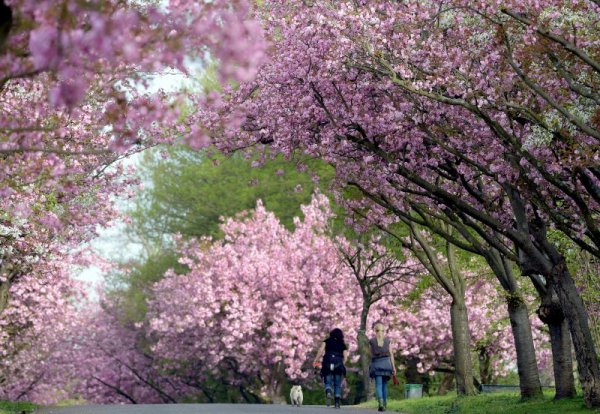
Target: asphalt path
{"x":201,"y":409}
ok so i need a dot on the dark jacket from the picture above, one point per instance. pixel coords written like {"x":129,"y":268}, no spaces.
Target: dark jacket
{"x":333,"y":358}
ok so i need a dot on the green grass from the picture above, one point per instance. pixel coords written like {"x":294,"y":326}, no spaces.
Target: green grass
{"x":495,"y":403}
{"x":7,"y":407}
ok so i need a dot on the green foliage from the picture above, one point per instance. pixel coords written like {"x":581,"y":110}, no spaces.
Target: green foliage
{"x":131,"y":290}
{"x":190,"y":190}
{"x":8,"y":407}
{"x":496,"y":403}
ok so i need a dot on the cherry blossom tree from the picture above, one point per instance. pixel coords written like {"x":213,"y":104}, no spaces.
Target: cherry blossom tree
{"x":73,"y":79}
{"x":109,"y":362}
{"x":250,"y":312}
{"x":380,"y":275}
{"x":392,"y":97}
{"x":257,"y":303}
{"x":259,"y":300}
{"x":40,"y":316}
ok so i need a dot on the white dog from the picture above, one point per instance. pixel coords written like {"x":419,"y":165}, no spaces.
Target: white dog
{"x":296,"y":395}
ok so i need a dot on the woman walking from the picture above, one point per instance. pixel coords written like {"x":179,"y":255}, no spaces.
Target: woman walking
{"x":382,"y":366}
{"x":334,"y":352}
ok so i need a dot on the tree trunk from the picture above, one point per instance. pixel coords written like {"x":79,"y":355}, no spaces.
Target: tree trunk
{"x":4,"y":288}
{"x":529,"y":378}
{"x":363,"y":389}
{"x":562,"y":360}
{"x":485,"y":366}
{"x":446,"y":384}
{"x":362,"y":392}
{"x":576,"y":315}
{"x":274,"y":387}
{"x":550,"y":312}
{"x":541,"y":256}
{"x":363,"y":386}
{"x":461,"y":344}
{"x":411,"y":372}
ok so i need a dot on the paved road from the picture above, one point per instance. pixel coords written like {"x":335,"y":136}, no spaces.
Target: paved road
{"x":201,"y":409}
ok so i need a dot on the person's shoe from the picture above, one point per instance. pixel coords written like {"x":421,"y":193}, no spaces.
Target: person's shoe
{"x":328,"y":397}
{"x":337,"y":402}
{"x":380,"y":403}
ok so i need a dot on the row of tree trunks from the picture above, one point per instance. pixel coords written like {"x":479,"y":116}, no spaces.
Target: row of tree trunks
{"x":577,"y":318}
{"x":539,"y":256}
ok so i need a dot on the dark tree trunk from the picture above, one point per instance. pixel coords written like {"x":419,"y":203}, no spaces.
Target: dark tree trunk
{"x":576,"y":315}
{"x":529,"y":378}
{"x":562,"y":360}
{"x":461,"y":344}
{"x":485,"y":366}
{"x":363,"y":390}
{"x":411,"y":372}
{"x":550,"y":312}
{"x":4,"y":288}
{"x":540,"y":256}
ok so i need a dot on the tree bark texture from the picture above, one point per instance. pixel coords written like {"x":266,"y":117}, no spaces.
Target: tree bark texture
{"x":550,"y":312}
{"x":461,"y":343}
{"x":4,"y":288}
{"x":363,"y":391}
{"x":529,"y":378}
{"x":562,"y":360}
{"x":576,"y":315}
{"x":485,"y":366}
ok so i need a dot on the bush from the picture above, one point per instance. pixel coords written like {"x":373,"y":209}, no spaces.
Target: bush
{"x":7,"y":407}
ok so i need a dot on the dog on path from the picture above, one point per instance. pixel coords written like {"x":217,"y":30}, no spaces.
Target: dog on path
{"x":296,"y":395}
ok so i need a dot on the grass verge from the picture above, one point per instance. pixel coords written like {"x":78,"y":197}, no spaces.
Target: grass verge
{"x":496,"y":403}
{"x":7,"y":407}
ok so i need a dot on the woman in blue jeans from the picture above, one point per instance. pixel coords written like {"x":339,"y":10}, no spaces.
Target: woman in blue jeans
{"x":382,"y":366}
{"x":334,"y":352}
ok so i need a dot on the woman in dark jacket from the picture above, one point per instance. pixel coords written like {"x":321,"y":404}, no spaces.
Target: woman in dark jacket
{"x":334,"y":352}
{"x":382,"y":366}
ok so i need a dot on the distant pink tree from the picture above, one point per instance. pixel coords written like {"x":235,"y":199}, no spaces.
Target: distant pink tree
{"x":256,"y":304}
{"x":35,"y":329}
{"x":74,"y":102}
{"x":109,"y":362}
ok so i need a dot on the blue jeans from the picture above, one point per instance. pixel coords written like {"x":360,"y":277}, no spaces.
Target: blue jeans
{"x":334,"y":383}
{"x":381,"y":387}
